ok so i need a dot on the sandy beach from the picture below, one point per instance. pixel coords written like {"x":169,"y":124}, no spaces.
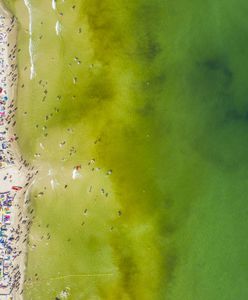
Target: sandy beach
{"x":15,"y":174}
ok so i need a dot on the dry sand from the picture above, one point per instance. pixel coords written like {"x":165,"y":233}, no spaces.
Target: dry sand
{"x":14,"y":171}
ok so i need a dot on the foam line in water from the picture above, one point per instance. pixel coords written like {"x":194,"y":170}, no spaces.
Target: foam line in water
{"x":54,"y":4}
{"x":58,"y":27}
{"x":31,"y":48}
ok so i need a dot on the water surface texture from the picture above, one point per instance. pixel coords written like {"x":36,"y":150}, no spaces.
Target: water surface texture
{"x":149,"y":100}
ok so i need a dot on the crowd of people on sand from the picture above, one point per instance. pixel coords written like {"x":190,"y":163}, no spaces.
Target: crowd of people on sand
{"x":14,"y":224}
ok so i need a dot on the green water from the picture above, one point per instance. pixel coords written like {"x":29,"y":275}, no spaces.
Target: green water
{"x":156,"y":92}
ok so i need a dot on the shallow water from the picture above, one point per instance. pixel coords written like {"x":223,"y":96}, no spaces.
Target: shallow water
{"x":156,"y":93}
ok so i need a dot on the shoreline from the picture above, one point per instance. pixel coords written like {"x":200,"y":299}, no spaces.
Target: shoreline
{"x":16,"y":176}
